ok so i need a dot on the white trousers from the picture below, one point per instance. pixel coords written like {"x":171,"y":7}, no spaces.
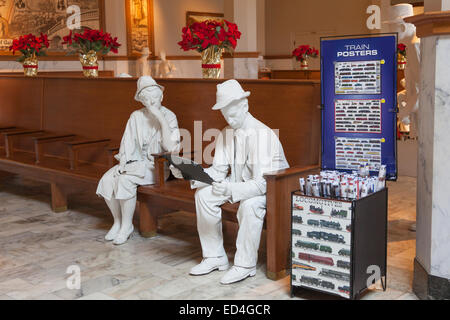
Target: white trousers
{"x":209,"y":224}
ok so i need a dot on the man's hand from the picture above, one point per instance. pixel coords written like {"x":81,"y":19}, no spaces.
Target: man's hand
{"x":221,"y":188}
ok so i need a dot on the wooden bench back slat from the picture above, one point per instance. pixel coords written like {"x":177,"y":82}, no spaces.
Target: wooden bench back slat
{"x":98,"y":109}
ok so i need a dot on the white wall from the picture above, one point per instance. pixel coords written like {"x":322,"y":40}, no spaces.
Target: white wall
{"x":170,"y":18}
{"x":306,"y":21}
{"x":115,"y":21}
{"x":287,"y":17}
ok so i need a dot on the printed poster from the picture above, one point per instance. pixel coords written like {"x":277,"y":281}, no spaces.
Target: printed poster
{"x":360,"y":77}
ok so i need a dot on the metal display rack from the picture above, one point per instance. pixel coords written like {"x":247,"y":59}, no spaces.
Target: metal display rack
{"x":337,"y":244}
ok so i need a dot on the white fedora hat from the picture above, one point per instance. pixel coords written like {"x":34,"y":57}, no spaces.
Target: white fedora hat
{"x":398,"y":12}
{"x":145,"y":82}
{"x":228,"y":92}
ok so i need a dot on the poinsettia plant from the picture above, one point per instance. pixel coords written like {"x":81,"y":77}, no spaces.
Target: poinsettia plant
{"x":30,"y":46}
{"x":91,"y":40}
{"x":302,"y":52}
{"x":200,"y":36}
{"x":401,"y":49}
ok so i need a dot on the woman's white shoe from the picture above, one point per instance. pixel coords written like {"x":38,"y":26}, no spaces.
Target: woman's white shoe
{"x":112,"y":234}
{"x":121,"y":237}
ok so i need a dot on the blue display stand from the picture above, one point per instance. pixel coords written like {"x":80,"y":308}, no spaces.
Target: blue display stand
{"x":359,"y":103}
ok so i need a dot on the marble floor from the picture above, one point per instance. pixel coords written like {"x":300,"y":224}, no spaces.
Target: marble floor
{"x":38,"y":246}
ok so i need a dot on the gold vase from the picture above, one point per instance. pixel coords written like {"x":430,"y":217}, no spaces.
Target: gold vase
{"x":89,"y":61}
{"x":211,"y":63}
{"x":401,"y":62}
{"x":30,"y":66}
{"x":304,"y":64}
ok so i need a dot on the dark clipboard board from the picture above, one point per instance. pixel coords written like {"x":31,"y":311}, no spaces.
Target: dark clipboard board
{"x":189,"y":169}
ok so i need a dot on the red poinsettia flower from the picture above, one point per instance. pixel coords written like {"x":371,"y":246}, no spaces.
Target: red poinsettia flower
{"x":30,"y":45}
{"x":401,"y":49}
{"x":90,"y":39}
{"x":202,"y":35}
{"x":304,"y":51}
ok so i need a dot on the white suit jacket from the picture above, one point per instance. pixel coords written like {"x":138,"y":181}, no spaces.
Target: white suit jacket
{"x":248,"y":153}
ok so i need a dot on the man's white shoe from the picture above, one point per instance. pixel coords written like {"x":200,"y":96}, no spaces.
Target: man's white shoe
{"x":122,"y":237}
{"x":210,"y":264}
{"x":236,"y":274}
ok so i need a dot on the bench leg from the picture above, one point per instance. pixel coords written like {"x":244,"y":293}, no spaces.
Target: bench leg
{"x":276,"y":261}
{"x":148,"y":222}
{"x":277,"y":243}
{"x":59,"y":198}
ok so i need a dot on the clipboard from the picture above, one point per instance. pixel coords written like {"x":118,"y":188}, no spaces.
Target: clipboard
{"x":189,"y":169}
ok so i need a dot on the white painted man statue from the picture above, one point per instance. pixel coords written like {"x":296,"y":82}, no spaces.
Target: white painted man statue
{"x":247,"y":149}
{"x":150,"y":130}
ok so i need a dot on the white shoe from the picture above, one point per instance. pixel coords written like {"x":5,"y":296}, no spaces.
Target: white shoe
{"x":210,"y":264}
{"x":113,"y":232}
{"x":237,"y":274}
{"x":122,"y":237}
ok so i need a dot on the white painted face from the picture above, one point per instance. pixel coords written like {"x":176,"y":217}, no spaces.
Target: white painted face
{"x":151,"y":96}
{"x":235,"y":113}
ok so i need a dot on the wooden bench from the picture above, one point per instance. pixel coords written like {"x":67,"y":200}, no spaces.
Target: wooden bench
{"x":67,"y":113}
{"x":289,"y":106}
{"x":60,"y":173}
{"x":59,"y":129}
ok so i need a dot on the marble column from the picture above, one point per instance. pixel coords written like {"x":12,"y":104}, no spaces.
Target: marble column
{"x":432,"y":262}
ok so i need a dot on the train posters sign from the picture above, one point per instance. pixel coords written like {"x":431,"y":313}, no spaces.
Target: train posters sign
{"x":359,"y":102}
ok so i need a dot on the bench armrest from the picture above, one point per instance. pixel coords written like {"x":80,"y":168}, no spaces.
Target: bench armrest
{"x":289,"y":172}
{"x":9,"y":135}
{"x":280,"y":185}
{"x":75,"y":146}
{"x":21,"y":133}
{"x":39,"y":143}
{"x":111,"y":151}
{"x":52,"y":138}
{"x":160,"y":159}
{"x":6,"y":128}
{"x":85,"y":143}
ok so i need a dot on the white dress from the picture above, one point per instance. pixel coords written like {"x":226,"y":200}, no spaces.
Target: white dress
{"x":142,"y":138}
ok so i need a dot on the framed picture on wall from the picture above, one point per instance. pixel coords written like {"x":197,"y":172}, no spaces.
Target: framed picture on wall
{"x":192,"y":16}
{"x":140,"y":26}
{"x":21,"y":17}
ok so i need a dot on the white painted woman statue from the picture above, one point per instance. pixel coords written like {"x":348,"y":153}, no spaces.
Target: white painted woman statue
{"x":150,"y":130}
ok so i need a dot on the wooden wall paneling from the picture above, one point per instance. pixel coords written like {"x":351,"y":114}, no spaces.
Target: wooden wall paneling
{"x":100,"y":108}
{"x":21,"y":102}
{"x":21,"y":106}
{"x":290,"y":106}
{"x":93,"y":109}
{"x":64,"y":74}
{"x":296,"y":74}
